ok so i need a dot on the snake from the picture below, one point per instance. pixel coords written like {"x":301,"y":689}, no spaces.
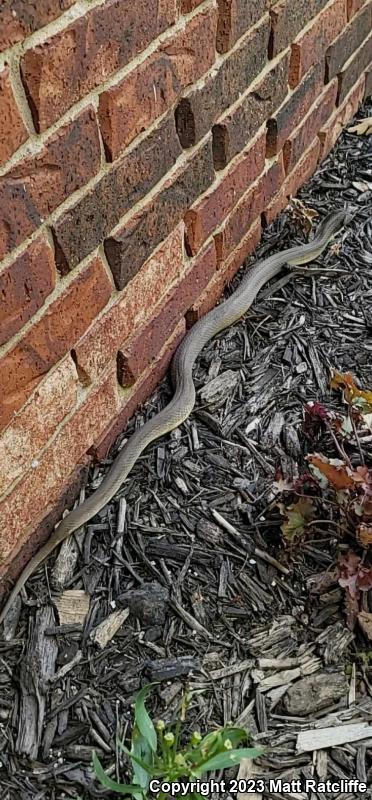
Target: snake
{"x":183,"y":400}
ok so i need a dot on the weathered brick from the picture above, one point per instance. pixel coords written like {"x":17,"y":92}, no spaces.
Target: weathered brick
{"x":311,"y":45}
{"x":241,"y":218}
{"x":368,"y":85}
{"x":12,"y":128}
{"x":311,"y":125}
{"x":130,"y":247}
{"x":234,"y":19}
{"x":143,"y":348}
{"x":353,"y":68}
{"x":209,"y":212}
{"x":293,"y":110}
{"x":59,"y":72}
{"x":33,"y":188}
{"x":34,"y":496}
{"x":330,"y":132}
{"x":186,"y":6}
{"x":50,"y":338}
{"x":24,"y":286}
{"x":130,"y":107}
{"x":196,"y":113}
{"x":225,"y":274}
{"x":233,"y":131}
{"x":287,"y":20}
{"x":20,"y":18}
{"x":353,"y":6}
{"x":299,"y":175}
{"x":103,"y":339}
{"x":349,"y":41}
{"x":36,"y":422}
{"x":138,"y":393}
{"x":81,"y":229}
{"x":272,"y":179}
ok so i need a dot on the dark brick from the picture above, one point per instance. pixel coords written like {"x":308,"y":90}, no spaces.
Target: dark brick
{"x":196,"y":113}
{"x":185,"y":6}
{"x":20,"y":18}
{"x":234,"y":131}
{"x":32,"y":189}
{"x":290,"y":114}
{"x":312,"y":124}
{"x":368,"y":86}
{"x":144,"y":347}
{"x":24,"y":286}
{"x":83,"y":227}
{"x":353,"y":69}
{"x":52,"y":336}
{"x":235,"y":17}
{"x":59,"y":72}
{"x":348,"y":41}
{"x":12,"y":128}
{"x":131,"y":247}
{"x":288,"y":18}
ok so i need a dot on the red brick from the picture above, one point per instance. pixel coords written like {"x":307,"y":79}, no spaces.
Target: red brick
{"x":368,"y":86}
{"x":234,"y":19}
{"x":199,"y":110}
{"x":349,"y":41}
{"x":12,"y":128}
{"x":59,"y":72}
{"x":241,"y":218}
{"x":186,"y":6}
{"x":81,"y":229}
{"x":288,"y":18}
{"x":236,"y":128}
{"x":20,"y":18}
{"x":143,"y":348}
{"x":301,"y":173}
{"x":311,"y":45}
{"x":293,"y":110}
{"x":133,"y":307}
{"x":313,"y":122}
{"x":132,"y":245}
{"x":138,"y":393}
{"x":64,"y":322}
{"x":36,"y":422}
{"x":335,"y":125}
{"x":225,"y":274}
{"x":353,"y":69}
{"x":34,"y":496}
{"x":272,"y":179}
{"x":131,"y":106}
{"x":353,"y":6}
{"x":209,"y":212}
{"x":33,"y":188}
{"x":24,"y":286}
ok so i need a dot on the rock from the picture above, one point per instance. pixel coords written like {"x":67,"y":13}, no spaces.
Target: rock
{"x":314,"y":692}
{"x":149,"y":604}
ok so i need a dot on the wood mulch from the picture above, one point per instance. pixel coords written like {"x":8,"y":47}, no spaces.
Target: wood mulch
{"x":184,"y":578}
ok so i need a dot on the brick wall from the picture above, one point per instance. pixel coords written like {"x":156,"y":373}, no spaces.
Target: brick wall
{"x":142,"y":146}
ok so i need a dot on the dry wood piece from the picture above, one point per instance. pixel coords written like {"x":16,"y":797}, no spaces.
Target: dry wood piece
{"x":73,"y":607}
{"x":312,"y":693}
{"x":106,"y":630}
{"x":216,"y":392}
{"x":331,"y":737}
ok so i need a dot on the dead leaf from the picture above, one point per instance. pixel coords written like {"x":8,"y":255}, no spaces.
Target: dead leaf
{"x":364,"y":535}
{"x":353,"y":575}
{"x":365,"y":622}
{"x":334,"y":470}
{"x":362,"y":128}
{"x":297,"y":516}
{"x":359,"y":398}
{"x":302,"y":213}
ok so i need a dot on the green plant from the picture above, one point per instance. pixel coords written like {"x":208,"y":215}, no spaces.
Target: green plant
{"x":158,"y":754}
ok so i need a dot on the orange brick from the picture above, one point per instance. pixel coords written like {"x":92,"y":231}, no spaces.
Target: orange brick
{"x":36,"y":422}
{"x":272,"y":179}
{"x":109,"y":332}
{"x":241,"y":218}
{"x":49,"y":339}
{"x":209,"y":212}
{"x":149,"y":90}
{"x":138,"y":393}
{"x":311,"y":125}
{"x":311,"y":45}
{"x":215,"y":288}
{"x":13,"y":131}
{"x":331,"y":131}
{"x":300,"y":174}
{"x":37,"y":492}
{"x":353,"y":6}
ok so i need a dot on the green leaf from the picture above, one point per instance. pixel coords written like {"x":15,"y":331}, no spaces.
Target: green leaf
{"x":141,"y":749}
{"x":229,"y":758}
{"x":143,"y":721}
{"x":119,"y":788}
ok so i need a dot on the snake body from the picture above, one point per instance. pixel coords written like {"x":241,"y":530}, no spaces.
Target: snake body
{"x":182,"y":403}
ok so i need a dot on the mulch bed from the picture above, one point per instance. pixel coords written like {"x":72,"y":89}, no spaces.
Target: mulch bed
{"x":190,"y":552}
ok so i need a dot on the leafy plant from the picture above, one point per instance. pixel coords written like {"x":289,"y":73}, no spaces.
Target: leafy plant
{"x":157,"y":753}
